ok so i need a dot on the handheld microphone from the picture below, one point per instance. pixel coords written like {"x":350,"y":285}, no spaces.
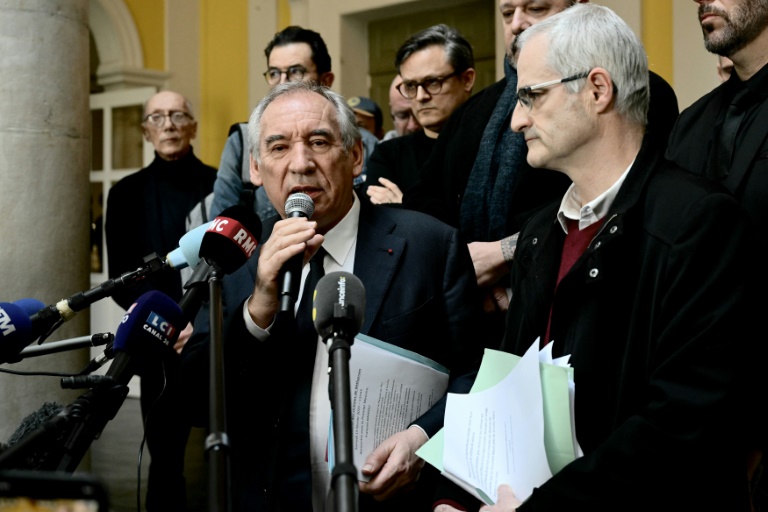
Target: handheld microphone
{"x":17,"y":327}
{"x":297,"y":205}
{"x":227,"y":244}
{"x":339,"y":305}
{"x":149,"y":329}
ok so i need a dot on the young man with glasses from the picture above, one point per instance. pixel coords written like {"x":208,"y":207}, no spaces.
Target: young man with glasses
{"x":146,"y":213}
{"x":437,"y":70}
{"x":294,"y":54}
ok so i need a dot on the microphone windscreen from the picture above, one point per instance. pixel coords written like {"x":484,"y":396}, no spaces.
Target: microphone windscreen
{"x":156,"y":319}
{"x":231,"y":238}
{"x":30,"y":306}
{"x":35,"y":420}
{"x":340,"y":288}
{"x":299,"y":204}
{"x":15,"y":330}
{"x":188,"y":252}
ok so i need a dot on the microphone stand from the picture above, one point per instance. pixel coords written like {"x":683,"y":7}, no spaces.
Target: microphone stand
{"x":217,"y":442}
{"x":344,"y":475}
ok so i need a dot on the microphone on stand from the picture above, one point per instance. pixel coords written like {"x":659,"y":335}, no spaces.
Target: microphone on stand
{"x":338,"y":311}
{"x":151,"y":327}
{"x":18,"y":327}
{"x":297,"y":205}
{"x":227,"y":243}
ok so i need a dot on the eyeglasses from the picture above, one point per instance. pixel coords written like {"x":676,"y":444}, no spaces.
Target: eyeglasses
{"x":525,"y":98}
{"x":409,"y":89}
{"x":293,"y":73}
{"x":178,"y":118}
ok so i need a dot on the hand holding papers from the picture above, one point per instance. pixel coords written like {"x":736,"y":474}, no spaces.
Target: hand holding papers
{"x":514,"y":427}
{"x":391,"y":387}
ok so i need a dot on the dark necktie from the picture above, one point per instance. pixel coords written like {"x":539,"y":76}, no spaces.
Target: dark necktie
{"x":305,"y":327}
{"x":722,"y":148}
{"x":294,"y":471}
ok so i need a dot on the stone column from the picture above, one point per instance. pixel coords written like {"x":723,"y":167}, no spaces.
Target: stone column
{"x":44,"y":182}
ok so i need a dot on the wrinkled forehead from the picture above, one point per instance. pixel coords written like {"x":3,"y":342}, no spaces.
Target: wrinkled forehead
{"x":299,"y":114}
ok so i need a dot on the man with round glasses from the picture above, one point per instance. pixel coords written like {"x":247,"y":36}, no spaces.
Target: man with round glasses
{"x":437,"y":70}
{"x":146,"y":213}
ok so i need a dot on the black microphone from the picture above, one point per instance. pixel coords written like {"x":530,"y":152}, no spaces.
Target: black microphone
{"x":297,"y":205}
{"x":227,"y":244}
{"x":338,"y":309}
{"x":149,"y":329}
{"x":339,"y":305}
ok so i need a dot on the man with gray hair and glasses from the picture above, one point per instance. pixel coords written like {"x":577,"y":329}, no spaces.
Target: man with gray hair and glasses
{"x":643,"y":274}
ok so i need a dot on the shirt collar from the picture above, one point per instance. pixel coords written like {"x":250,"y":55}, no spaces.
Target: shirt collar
{"x":593,"y":211}
{"x":340,"y":239}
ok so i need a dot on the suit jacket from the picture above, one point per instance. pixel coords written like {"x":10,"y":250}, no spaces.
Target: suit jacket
{"x":692,"y":137}
{"x":421,"y":295}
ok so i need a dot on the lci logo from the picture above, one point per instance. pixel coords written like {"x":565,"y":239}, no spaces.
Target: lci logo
{"x":159,"y":327}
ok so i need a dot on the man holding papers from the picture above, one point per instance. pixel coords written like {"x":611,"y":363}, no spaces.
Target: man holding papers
{"x":644,"y":274}
{"x":419,"y":286}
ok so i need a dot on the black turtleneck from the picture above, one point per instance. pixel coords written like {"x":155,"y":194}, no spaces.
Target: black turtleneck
{"x":146,"y":213}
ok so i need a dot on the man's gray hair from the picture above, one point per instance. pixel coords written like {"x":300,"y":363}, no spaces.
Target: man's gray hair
{"x":587,"y":36}
{"x":344,"y":118}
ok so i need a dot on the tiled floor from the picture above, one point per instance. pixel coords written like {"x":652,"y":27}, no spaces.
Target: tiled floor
{"x":115,"y":459}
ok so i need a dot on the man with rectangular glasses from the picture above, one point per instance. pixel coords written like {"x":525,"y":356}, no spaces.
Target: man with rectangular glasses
{"x":437,"y":70}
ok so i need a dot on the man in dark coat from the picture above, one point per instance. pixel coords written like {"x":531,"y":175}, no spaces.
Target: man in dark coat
{"x":146,"y":213}
{"x":643,"y":274}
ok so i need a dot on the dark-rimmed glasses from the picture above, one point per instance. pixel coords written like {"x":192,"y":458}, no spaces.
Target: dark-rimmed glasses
{"x":177,"y":117}
{"x":433,"y":85}
{"x":293,"y":73}
{"x":525,"y":98}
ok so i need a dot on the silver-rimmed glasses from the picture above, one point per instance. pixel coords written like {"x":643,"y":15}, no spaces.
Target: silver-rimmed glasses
{"x":177,"y":117}
{"x":525,"y":96}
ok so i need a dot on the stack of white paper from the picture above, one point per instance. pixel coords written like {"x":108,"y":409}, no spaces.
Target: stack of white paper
{"x":390,"y":387}
{"x":515,"y":427}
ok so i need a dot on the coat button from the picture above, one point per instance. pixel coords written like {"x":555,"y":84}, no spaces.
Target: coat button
{"x":614,"y":229}
{"x":535,"y":241}
{"x":593,"y":272}
{"x":598,"y":244}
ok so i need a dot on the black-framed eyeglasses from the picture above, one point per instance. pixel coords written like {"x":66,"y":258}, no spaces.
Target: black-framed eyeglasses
{"x":177,"y":117}
{"x":433,"y":85}
{"x":293,"y":73}
{"x":525,"y":98}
